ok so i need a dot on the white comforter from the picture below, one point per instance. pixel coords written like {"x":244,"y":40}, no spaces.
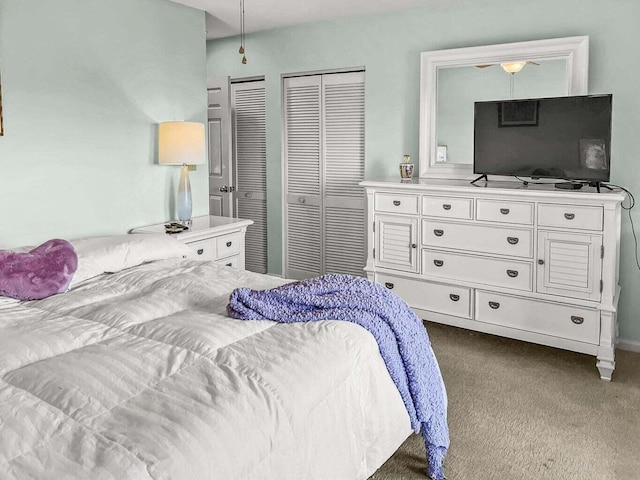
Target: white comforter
{"x":140,"y":374}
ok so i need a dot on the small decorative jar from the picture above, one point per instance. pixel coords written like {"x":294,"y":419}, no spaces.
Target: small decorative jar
{"x":406,"y":168}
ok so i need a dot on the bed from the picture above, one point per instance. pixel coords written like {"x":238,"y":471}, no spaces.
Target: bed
{"x":139,"y":373}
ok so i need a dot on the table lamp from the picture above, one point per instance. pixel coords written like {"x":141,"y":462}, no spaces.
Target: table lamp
{"x":182,"y":143}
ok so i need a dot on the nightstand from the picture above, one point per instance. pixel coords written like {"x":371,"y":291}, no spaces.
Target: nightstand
{"x":211,"y":238}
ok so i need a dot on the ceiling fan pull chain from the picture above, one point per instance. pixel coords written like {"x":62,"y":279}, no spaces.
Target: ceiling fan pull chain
{"x":242,"y":34}
{"x":511,"y":80}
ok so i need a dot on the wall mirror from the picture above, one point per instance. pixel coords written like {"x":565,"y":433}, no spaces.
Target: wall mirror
{"x":452,"y":80}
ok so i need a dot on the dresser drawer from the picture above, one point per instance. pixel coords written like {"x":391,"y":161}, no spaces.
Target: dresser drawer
{"x":514,"y":242}
{"x":580,"y":217}
{"x":434,"y":297}
{"x":203,"y":249}
{"x":227,"y":245}
{"x":232,"y":262}
{"x":447,"y":207}
{"x":487,"y":271}
{"x":396,"y":203}
{"x":564,"y":321}
{"x":504,"y":212}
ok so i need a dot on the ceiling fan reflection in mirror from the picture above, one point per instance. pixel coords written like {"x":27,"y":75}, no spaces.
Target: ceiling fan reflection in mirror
{"x":510,"y":67}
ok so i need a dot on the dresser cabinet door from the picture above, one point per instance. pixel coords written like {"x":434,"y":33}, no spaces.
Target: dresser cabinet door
{"x":397,"y":242}
{"x":569,"y":264}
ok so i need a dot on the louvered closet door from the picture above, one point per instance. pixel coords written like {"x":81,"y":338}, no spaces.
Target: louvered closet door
{"x":302,"y":141}
{"x":251,"y":168}
{"x":324,"y":162}
{"x":344,"y":209}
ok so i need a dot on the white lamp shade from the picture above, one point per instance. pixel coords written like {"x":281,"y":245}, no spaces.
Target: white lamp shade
{"x":181,"y":143}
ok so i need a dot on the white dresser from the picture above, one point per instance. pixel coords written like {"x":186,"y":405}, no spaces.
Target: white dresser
{"x":533,"y":263}
{"x":212,"y":238}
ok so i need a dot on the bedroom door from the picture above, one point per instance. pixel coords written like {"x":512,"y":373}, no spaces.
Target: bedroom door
{"x":250,"y":159}
{"x":220,"y":159}
{"x":324,"y":213}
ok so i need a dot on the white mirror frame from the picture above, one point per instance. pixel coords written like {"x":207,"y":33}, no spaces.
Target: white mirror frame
{"x":575,"y":50}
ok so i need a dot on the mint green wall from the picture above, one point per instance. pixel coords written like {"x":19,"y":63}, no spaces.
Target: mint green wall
{"x":84,"y":84}
{"x":388,"y":46}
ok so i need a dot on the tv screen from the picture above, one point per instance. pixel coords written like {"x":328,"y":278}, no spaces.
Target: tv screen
{"x":563,"y":137}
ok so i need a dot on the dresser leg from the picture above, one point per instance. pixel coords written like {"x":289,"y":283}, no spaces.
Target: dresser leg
{"x":606,"y":350}
{"x":606,"y":368}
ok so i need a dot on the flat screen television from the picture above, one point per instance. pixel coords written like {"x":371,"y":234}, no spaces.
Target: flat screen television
{"x":562,"y":137}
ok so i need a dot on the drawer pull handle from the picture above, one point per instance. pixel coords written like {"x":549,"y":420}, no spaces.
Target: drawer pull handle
{"x":228,"y":244}
{"x":389,"y":285}
{"x":513,"y":240}
{"x":577,"y":320}
{"x":438,"y":233}
{"x":228,"y":265}
{"x":200,"y":251}
{"x":454,"y":297}
{"x":396,"y":203}
{"x":438,"y":263}
{"x":446,"y":206}
{"x":504,"y":211}
{"x":494,"y":305}
{"x":569,"y":216}
{"x":540,"y":261}
{"x":512,"y":273}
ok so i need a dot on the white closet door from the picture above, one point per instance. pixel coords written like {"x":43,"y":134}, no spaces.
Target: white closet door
{"x":220,"y":157}
{"x":302,"y":178}
{"x":251,"y":168}
{"x":324,"y":161}
{"x":344,"y":209}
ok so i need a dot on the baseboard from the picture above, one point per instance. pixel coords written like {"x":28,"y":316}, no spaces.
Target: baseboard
{"x":630,"y":345}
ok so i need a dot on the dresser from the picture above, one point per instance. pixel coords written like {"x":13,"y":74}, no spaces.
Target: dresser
{"x":221,"y":239}
{"x":529,"y":262}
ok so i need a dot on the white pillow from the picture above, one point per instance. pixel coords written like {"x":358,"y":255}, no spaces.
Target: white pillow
{"x":97,"y":255}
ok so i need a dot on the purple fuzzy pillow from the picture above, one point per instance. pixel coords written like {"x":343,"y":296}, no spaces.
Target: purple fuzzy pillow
{"x":40,"y":273}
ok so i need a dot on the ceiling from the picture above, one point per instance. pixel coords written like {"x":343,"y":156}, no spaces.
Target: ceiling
{"x":223,"y":16}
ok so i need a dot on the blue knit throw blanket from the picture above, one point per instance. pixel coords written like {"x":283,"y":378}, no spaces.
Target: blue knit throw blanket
{"x":401,"y":336}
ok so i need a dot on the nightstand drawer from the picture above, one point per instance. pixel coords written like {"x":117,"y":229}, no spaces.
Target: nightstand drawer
{"x":203,"y":249}
{"x":232,"y":262}
{"x":227,"y":245}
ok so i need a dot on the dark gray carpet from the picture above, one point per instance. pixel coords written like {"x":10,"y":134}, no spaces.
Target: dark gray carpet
{"x":524,"y":411}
